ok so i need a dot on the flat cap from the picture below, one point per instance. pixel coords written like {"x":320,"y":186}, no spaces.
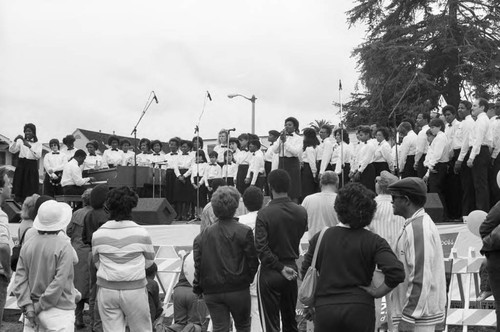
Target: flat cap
{"x":409,"y":186}
{"x":385,"y":179}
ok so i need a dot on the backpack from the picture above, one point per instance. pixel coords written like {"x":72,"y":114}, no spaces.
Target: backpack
{"x":16,"y":251}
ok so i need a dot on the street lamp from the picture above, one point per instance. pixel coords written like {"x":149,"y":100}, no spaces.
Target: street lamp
{"x":253,"y":99}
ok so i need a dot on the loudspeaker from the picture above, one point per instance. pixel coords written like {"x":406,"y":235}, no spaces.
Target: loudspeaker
{"x":153,"y":211}
{"x":434,"y":207}
{"x":13,"y":210}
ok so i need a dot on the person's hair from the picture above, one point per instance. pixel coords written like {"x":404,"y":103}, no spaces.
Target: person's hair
{"x":253,"y":136}
{"x":275,"y":133}
{"x":411,"y":122}
{"x":188,"y":143}
{"x":33,"y":129}
{"x":466,"y":103}
{"x":145,"y":141}
{"x":329,"y":178}
{"x":112,"y":139}
{"x":406,"y":126}
{"x":279,"y":180}
{"x":54,"y":141}
{"x":79,"y":153}
{"x":42,"y":199}
{"x":255,"y":142}
{"x":156,"y":141}
{"x":151,"y":271}
{"x":125,"y":141}
{"x":86,"y":197}
{"x":218,"y":182}
{"x":234,"y":140}
{"x":295,"y":123}
{"x":437,"y":122}
{"x":483,"y":102}
{"x":426,"y":116}
{"x":225,"y":133}
{"x":28,"y":208}
{"x":227,"y":152}
{"x":417,"y":200}
{"x":328,"y":129}
{"x":175,"y":140}
{"x":449,"y":108}
{"x":384,"y":131}
{"x":225,"y":201}
{"x":4,"y":171}
{"x":243,"y":136}
{"x":200,"y":141}
{"x":93,"y":143}
{"x":355,"y":205}
{"x":365,"y":130}
{"x":310,"y":139}
{"x":213,"y":154}
{"x":253,"y":198}
{"x":343,"y":133}
{"x":201,"y":153}
{"x":120,"y":202}
{"x":68,"y":139}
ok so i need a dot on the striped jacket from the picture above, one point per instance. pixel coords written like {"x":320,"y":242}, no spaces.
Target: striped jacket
{"x":421,"y":298}
{"x":122,"y":250}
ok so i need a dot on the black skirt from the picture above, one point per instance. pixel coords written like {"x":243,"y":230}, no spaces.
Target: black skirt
{"x":367,"y":178}
{"x":343,"y":175}
{"x":309,"y":185}
{"x":381,"y":166}
{"x":26,"y":181}
{"x":292,"y":166}
{"x":240,"y":178}
{"x":170,"y":180}
{"x":183,"y":191}
{"x":408,"y":170}
{"x":202,"y":197}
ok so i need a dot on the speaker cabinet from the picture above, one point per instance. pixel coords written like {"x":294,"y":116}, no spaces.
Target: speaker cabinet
{"x":13,"y":210}
{"x":153,"y":211}
{"x":434,"y":207}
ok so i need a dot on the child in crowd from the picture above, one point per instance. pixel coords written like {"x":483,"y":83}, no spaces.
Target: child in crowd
{"x":229,"y":169}
{"x":197,"y":172}
{"x":213,"y":171}
{"x":155,"y":306}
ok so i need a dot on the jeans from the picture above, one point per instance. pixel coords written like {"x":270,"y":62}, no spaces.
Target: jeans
{"x":237,"y":303}
{"x":4,"y":283}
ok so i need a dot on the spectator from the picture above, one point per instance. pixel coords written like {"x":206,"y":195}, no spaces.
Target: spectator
{"x":122,"y":251}
{"x":5,"y":239}
{"x":225,"y":263}
{"x":320,"y":206}
{"x":155,"y":307}
{"x":346,"y":260}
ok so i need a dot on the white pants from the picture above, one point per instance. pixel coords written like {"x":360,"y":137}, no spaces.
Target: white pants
{"x":53,"y":320}
{"x":119,"y":307}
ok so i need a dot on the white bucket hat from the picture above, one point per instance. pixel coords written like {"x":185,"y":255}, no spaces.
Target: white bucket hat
{"x":52,"y":216}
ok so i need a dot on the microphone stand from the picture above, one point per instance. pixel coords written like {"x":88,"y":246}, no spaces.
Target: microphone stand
{"x":341,"y":138}
{"x":134,"y":131}
{"x":393,"y":112}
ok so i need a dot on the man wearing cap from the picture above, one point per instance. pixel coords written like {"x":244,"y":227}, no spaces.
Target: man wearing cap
{"x":5,"y":239}
{"x":419,"y":302}
{"x":320,"y":206}
{"x":44,"y":277}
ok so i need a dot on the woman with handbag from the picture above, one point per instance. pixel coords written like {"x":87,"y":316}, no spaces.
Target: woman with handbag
{"x":346,"y":258}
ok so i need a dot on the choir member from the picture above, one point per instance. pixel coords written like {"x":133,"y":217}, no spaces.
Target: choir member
{"x":144,"y":158}
{"x":53,"y":163}
{"x":69,"y":146}
{"x":270,"y":158}
{"x":407,"y":150}
{"x":453,"y":188}
{"x":172,"y":159}
{"x":93,"y":160}
{"x":196,"y":172}
{"x":182,"y":186}
{"x":230,"y":168}
{"x":309,"y":169}
{"x":128,"y":153}
{"x":364,"y":171}
{"x":222,"y":145}
{"x":242,"y":159}
{"x":255,"y":175}
{"x":213,"y":171}
{"x":421,"y":144}
{"x":112,"y":157}
{"x":342,"y":156}
{"x":26,"y":176}
{"x":382,"y":160}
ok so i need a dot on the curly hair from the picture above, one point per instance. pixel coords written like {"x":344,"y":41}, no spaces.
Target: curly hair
{"x":355,"y":205}
{"x":120,"y":202}
{"x":225,"y":201}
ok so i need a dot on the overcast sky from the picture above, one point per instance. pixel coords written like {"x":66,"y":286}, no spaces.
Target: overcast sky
{"x":92,"y":64}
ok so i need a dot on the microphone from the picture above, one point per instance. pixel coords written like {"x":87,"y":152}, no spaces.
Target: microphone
{"x":232,"y":129}
{"x":154,"y":97}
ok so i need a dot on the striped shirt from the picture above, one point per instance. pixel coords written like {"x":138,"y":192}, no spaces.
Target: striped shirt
{"x":384,"y":222}
{"x":122,"y":250}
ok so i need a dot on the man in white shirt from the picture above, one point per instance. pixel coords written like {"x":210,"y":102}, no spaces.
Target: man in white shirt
{"x":364,"y":171}
{"x":466,"y":126}
{"x":320,"y":206}
{"x":270,"y":158}
{"x":495,"y":156}
{"x":437,"y":160}
{"x":255,"y":174}
{"x":479,"y":159}
{"x":453,"y":184}
{"x":422,"y":144}
{"x":72,"y":181}
{"x":325,"y":146}
{"x":406,"y":152}
{"x":5,"y":238}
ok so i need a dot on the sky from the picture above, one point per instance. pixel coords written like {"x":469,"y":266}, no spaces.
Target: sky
{"x":93,"y":64}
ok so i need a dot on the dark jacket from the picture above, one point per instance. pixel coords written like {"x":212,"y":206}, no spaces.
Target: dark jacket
{"x":225,"y":259}
{"x":278,"y":230}
{"x":491,"y":241}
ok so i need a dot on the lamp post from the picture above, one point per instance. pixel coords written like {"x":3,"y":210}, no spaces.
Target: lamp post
{"x":252,"y":99}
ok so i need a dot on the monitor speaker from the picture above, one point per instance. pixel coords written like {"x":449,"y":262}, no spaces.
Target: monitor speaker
{"x":153,"y":211}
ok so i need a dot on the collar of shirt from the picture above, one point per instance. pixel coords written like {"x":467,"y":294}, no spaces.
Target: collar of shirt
{"x":114,"y":149}
{"x":185,"y":153}
{"x":55,"y":152}
{"x":212,"y":164}
{"x":157,"y":154}
{"x":223,"y":145}
{"x":287,"y":134}
{"x":173,"y":153}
